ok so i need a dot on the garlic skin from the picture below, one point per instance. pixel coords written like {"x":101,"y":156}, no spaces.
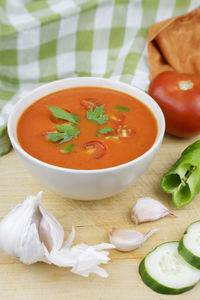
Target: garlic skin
{"x":128,"y":240}
{"x":31,"y":234}
{"x":148,"y":209}
{"x":19,"y":231}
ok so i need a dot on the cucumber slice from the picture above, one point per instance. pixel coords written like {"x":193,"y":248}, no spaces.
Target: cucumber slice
{"x":166,"y":272}
{"x":189,"y":245}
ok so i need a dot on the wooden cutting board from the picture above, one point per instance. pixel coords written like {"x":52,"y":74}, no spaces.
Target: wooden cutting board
{"x":93,"y":220}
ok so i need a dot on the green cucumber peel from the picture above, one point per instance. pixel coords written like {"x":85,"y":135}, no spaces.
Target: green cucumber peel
{"x":157,"y":286}
{"x":183,"y":180}
{"x":187,"y":254}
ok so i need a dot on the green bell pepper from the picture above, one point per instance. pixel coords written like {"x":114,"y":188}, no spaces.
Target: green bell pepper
{"x":183,"y":180}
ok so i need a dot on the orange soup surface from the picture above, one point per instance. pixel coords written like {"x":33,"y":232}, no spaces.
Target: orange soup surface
{"x":87,"y":128}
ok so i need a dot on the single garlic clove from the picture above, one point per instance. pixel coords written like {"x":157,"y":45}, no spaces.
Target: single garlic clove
{"x":32,"y":250}
{"x":50,"y":231}
{"x":44,"y":235}
{"x":128,"y":240}
{"x":148,"y":209}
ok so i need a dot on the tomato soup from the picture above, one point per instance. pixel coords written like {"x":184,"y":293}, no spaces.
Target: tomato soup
{"x":87,"y":128}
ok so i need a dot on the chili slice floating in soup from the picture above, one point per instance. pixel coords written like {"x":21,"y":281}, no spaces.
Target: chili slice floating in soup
{"x":87,"y":128}
{"x":117,"y":117}
{"x":95,"y":148}
{"x":88,"y":103}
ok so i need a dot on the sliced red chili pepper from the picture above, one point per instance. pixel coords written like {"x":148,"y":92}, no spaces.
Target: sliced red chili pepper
{"x":88,"y":103}
{"x":117,"y":117}
{"x":57,"y":120}
{"x":124,"y":131}
{"x":96,"y":148}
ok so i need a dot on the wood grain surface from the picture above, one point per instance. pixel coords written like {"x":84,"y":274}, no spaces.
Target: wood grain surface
{"x":93,"y":220}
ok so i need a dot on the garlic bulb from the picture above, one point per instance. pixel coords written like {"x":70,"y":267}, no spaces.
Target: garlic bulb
{"x":32,"y":234}
{"x":148,"y":209}
{"x":127,"y":240}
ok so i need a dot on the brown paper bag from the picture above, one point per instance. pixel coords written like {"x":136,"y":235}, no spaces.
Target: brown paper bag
{"x":174,"y":45}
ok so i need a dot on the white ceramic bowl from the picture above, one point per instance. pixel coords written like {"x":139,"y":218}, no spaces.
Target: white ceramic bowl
{"x":86,"y":184}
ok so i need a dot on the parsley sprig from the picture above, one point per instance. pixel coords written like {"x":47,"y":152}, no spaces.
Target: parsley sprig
{"x":63,"y":114}
{"x":64,"y":134}
{"x":97,"y":115}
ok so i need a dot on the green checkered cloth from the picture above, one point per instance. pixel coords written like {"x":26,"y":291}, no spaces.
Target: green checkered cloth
{"x":45,"y":40}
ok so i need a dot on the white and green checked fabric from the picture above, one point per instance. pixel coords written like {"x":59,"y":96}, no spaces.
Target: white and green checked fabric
{"x":45,"y":40}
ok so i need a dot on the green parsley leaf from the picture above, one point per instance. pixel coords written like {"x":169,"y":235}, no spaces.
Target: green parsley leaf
{"x":63,"y":114}
{"x":104,"y":130}
{"x":68,"y":148}
{"x":65,"y":133}
{"x":123,"y":108}
{"x":97,"y":115}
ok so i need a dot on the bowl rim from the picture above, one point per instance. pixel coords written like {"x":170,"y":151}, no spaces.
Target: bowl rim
{"x":17,"y":146}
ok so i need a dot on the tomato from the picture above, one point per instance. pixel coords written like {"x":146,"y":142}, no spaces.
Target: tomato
{"x":178,"y":95}
{"x":123,"y":131}
{"x":116,"y":117}
{"x":58,"y":120}
{"x":96,"y":148}
{"x":88,"y":103}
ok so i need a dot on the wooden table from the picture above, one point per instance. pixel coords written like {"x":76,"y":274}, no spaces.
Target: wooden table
{"x":93,"y":220}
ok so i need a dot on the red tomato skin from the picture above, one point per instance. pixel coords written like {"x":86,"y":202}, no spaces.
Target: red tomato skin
{"x":116,"y":117}
{"x":88,"y":103}
{"x":99,"y":148}
{"x":181,"y":108}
